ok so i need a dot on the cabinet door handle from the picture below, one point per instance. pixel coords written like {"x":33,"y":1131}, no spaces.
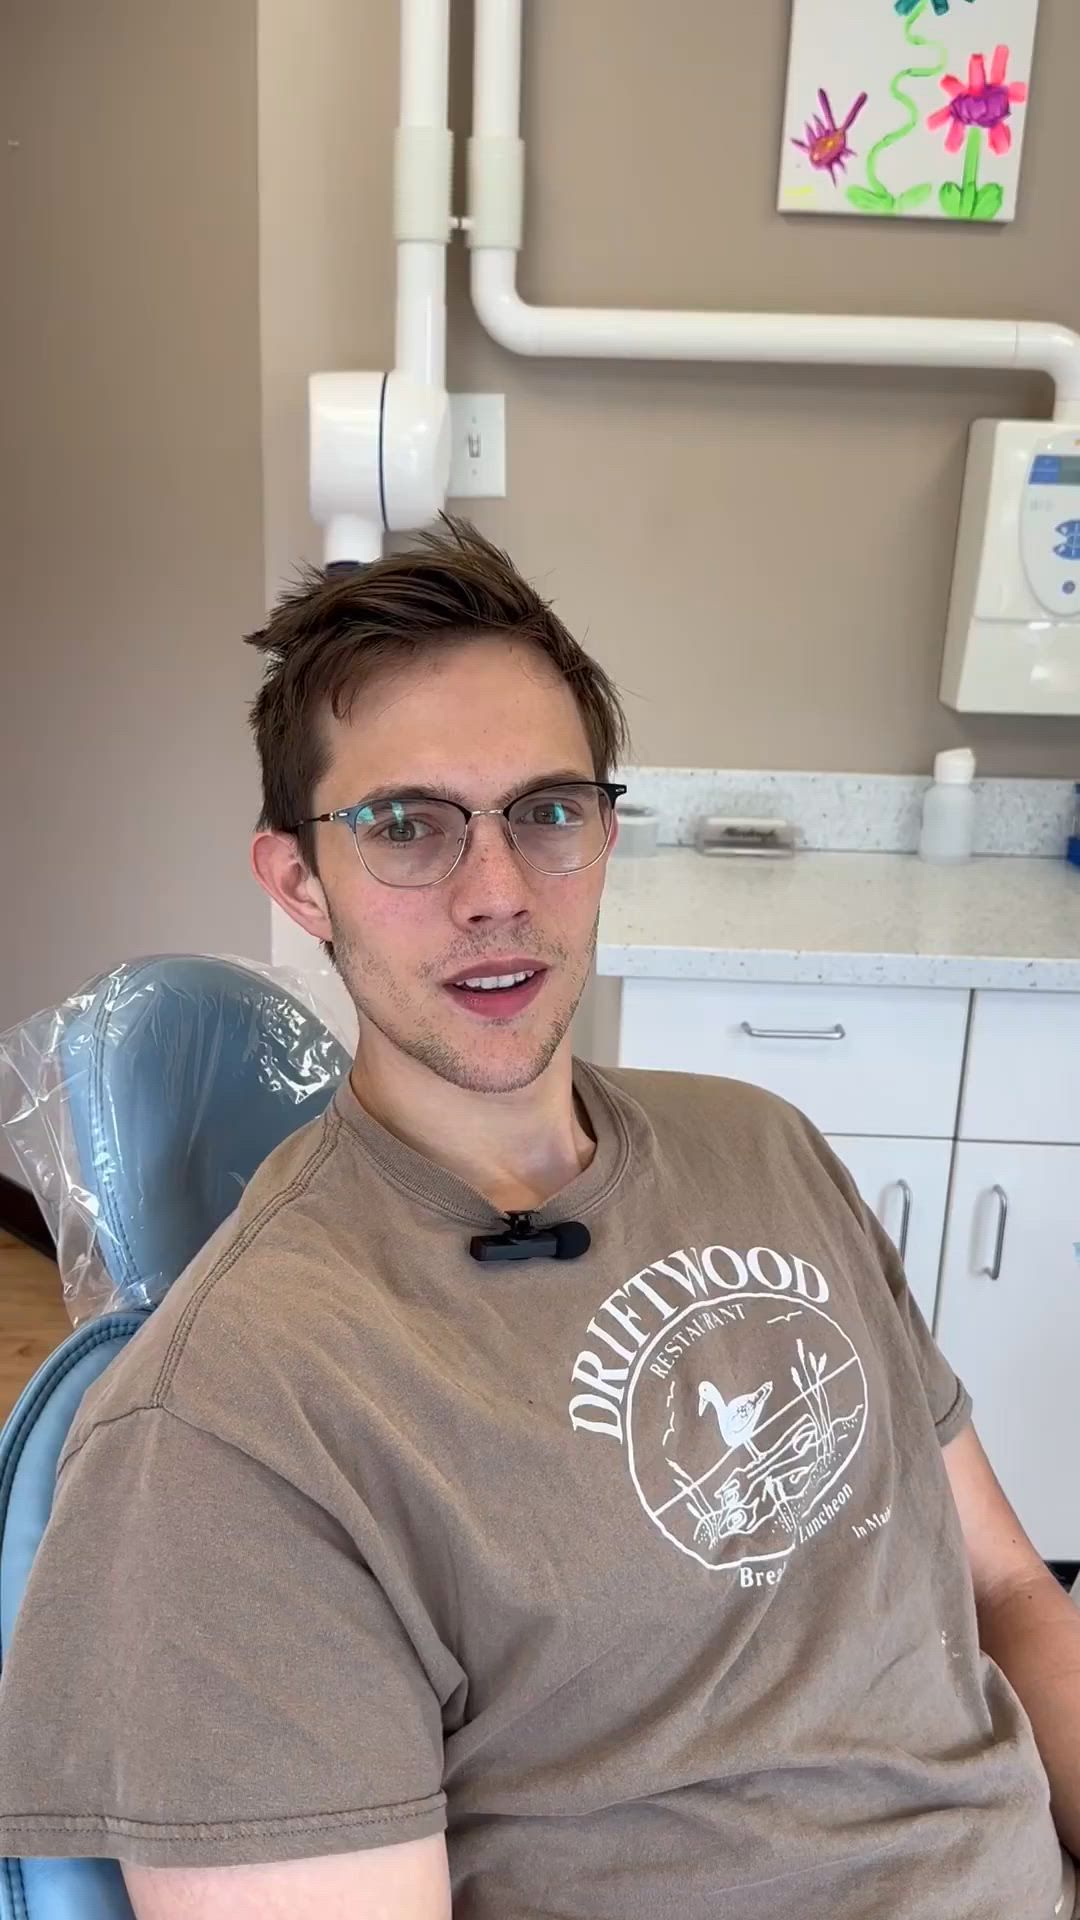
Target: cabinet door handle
{"x":905,"y":1219}
{"x":794,"y":1033}
{"x":993,"y":1272}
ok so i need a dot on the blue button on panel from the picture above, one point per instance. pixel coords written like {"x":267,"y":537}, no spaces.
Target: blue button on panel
{"x":1070,"y":540}
{"x":1046,"y":470}
{"x":1069,"y":586}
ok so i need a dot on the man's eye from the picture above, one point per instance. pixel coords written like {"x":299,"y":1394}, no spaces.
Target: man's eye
{"x":406,"y":831}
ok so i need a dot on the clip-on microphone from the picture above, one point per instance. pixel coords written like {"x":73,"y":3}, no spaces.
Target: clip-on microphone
{"x":567,"y":1240}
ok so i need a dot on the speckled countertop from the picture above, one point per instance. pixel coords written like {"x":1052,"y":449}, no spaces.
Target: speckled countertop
{"x":856,"y":919}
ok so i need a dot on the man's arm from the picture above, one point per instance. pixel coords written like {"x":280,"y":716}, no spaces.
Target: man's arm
{"x":406,"y":1882}
{"x":1027,"y":1623}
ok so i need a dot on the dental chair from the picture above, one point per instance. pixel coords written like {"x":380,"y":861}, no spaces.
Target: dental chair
{"x":178,"y":1075}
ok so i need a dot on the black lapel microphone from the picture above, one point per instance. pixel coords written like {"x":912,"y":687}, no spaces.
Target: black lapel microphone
{"x":567,"y":1240}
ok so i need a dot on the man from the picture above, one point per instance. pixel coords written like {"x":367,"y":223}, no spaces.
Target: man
{"x":384,"y":1575}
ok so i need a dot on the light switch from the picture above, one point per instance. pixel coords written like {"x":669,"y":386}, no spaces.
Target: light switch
{"x":478,"y":446}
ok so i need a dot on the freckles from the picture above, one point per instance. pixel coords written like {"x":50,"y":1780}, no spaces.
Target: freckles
{"x":396,"y":927}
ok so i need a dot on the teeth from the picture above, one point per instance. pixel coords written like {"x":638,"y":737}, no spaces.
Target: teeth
{"x":487,"y":981}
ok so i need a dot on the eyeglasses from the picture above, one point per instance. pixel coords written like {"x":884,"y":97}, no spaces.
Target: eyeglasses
{"x":409,"y":841}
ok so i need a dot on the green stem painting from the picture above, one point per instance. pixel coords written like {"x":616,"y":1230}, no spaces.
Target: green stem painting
{"x":875,"y":196}
{"x":969,"y":201}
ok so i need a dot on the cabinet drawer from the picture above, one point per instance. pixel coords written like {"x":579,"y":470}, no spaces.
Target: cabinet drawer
{"x":1022,"y":1080}
{"x":856,"y":1059}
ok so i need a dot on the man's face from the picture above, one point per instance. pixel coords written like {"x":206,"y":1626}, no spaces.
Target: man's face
{"x":483,"y":720}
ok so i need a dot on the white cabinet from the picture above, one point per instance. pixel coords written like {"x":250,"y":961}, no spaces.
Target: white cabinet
{"x":1022,"y":1081}
{"x":855,"y":1059}
{"x":906,"y":1184}
{"x":1009,"y":1307}
{"x":1014,"y":1339}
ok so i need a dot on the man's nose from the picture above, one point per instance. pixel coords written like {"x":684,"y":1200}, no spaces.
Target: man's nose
{"x":490,"y":881}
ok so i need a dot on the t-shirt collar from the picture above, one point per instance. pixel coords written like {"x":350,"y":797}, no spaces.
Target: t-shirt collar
{"x":426,"y":1181}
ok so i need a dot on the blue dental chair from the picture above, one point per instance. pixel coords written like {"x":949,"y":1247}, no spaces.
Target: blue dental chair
{"x":181,"y":1074}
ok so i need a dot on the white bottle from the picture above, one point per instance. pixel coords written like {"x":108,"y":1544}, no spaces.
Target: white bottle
{"x":948,"y":821}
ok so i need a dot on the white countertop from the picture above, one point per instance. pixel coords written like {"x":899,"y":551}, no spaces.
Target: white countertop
{"x":856,"y":919}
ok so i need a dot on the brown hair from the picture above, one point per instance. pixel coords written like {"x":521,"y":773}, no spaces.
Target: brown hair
{"x":335,"y":628}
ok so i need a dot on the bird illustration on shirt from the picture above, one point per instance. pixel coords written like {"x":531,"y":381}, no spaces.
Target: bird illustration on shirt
{"x":738,"y":1418}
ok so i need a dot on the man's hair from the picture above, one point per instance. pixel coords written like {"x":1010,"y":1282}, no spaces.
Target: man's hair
{"x":329,"y":634}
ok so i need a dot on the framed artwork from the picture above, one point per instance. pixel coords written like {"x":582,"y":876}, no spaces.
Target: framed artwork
{"x":911,"y":109}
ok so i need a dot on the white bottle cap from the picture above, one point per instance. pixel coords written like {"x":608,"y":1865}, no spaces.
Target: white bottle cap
{"x":955,"y":768}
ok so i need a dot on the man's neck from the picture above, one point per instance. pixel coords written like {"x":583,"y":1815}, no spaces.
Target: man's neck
{"x":518,"y":1149}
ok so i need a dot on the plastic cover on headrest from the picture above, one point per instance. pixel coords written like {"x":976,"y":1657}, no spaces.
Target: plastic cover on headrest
{"x":139,"y":1108}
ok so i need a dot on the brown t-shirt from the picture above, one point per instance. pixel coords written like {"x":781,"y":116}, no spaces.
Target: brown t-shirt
{"x":639,"y":1573}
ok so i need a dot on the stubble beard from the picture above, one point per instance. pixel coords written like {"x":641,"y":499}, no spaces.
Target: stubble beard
{"x":392,"y":1010}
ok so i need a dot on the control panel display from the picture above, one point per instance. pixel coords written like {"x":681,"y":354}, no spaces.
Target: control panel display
{"x":1056,"y":470}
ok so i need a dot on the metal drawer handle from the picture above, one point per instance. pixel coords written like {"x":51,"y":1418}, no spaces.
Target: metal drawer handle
{"x":994,"y":1272}
{"x":905,"y":1219}
{"x":794,"y":1033}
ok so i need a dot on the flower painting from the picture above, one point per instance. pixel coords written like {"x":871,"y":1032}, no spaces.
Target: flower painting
{"x":825,"y":142}
{"x":907,"y":109}
{"x":910,"y":6}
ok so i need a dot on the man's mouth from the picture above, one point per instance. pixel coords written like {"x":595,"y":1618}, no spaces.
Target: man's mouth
{"x":498,"y":991}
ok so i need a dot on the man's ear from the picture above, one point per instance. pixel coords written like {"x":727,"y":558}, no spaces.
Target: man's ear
{"x":278,"y":867}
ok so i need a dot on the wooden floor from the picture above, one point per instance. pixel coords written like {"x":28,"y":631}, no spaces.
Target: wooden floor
{"x":33,"y":1319}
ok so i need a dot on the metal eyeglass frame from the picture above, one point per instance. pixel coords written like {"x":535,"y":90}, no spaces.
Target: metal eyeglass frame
{"x":349,"y":816}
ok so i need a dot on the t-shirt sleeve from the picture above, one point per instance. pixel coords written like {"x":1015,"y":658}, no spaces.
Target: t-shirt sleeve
{"x":204,"y":1671}
{"x":949,"y":1400}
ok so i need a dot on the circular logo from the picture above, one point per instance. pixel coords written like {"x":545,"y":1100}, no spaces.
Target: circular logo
{"x":741,"y":1416}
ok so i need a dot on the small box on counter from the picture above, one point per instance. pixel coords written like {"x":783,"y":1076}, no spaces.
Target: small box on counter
{"x":727,"y":834}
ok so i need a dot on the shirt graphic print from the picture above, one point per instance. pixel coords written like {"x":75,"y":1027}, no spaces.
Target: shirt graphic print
{"x":740,"y":1401}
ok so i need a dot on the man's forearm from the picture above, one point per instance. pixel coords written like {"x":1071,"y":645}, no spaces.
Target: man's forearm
{"x":1032,"y":1632}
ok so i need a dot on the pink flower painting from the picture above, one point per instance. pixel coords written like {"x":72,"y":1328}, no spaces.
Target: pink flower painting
{"x":980,"y":110}
{"x":986,"y":103}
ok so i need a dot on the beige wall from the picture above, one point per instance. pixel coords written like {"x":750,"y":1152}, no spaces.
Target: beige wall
{"x":655,"y":499}
{"x":131,"y":527}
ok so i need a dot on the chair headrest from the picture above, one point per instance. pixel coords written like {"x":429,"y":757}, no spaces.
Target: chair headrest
{"x":183,"y":1073}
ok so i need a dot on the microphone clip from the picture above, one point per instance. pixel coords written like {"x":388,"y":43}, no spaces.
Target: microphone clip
{"x":522,"y":1241}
